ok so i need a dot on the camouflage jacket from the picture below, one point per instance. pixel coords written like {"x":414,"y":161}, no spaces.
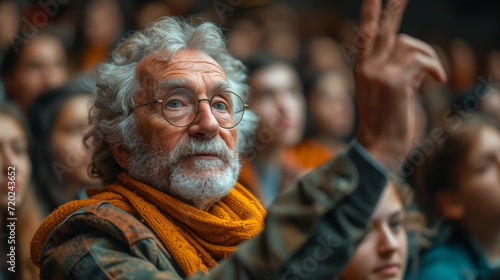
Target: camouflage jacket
{"x":311,"y":231}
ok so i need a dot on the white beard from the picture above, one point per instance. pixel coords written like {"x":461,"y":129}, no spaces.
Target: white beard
{"x":196,"y":181}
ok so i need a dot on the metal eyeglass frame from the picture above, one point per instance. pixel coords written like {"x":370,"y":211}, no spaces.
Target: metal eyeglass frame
{"x":245,"y":106}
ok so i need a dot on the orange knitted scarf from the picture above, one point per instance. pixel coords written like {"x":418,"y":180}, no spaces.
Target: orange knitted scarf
{"x":196,"y":239}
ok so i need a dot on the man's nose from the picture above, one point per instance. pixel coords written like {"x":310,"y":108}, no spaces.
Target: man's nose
{"x":205,"y":125}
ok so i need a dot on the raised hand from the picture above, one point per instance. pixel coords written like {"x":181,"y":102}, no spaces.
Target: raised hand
{"x":389,"y":69}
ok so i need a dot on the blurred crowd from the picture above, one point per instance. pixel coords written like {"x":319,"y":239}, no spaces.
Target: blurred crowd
{"x":299,"y":60}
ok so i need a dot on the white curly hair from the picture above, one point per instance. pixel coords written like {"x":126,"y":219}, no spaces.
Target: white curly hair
{"x":117,"y":86}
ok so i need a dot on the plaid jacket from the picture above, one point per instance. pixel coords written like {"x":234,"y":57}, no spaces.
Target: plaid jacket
{"x":311,"y":231}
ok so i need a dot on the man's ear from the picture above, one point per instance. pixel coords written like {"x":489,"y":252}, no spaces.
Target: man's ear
{"x":121,"y":155}
{"x":450,"y":204}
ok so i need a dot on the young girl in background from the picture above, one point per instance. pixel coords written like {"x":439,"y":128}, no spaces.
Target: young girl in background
{"x":59,"y":120}
{"x":383,"y":252}
{"x":458,"y":188}
{"x":16,"y":198}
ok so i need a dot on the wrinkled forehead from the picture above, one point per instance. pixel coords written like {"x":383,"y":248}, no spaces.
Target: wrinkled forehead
{"x":189,"y":67}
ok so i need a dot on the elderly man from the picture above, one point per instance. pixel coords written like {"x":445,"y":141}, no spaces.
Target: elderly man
{"x":166,"y":144}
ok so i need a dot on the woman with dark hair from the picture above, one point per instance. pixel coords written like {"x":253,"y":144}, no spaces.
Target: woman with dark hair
{"x":59,"y":120}
{"x":278,"y":100}
{"x":458,"y":188}
{"x":332,"y":114}
{"x":33,"y":67}
{"x":100,"y":25}
{"x":16,"y":197}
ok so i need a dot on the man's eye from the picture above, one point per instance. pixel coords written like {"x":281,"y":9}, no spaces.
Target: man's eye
{"x":219,"y":106}
{"x":174,"y":104}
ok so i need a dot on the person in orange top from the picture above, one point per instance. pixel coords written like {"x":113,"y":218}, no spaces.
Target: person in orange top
{"x":99,"y":27}
{"x":331,"y":110}
{"x":278,"y":100}
{"x":331,"y":113}
{"x":308,"y":154}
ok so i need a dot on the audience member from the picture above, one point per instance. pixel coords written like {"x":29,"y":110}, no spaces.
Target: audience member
{"x":245,"y":39}
{"x":278,"y":101}
{"x":101,"y":23}
{"x":323,"y":54}
{"x":464,"y":68}
{"x":150,"y":11}
{"x":34,"y":67}
{"x":383,"y":252}
{"x":332,"y":114}
{"x":10,"y":21}
{"x":281,"y":40}
{"x":16,"y":197}
{"x":59,"y":120}
{"x":458,"y":185}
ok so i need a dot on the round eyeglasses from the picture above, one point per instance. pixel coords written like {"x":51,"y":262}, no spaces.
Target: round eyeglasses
{"x":180,"y":107}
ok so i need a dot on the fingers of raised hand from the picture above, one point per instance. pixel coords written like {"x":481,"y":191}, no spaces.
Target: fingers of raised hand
{"x":378,"y":28}
{"x":368,"y":25}
{"x":390,"y":22}
{"x":412,"y":43}
{"x":415,"y":56}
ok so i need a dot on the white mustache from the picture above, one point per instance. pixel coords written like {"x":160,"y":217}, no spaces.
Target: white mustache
{"x":193,"y":146}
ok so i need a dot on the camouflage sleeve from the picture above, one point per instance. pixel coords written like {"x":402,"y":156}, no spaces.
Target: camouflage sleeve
{"x":311,"y":232}
{"x":313,"y":229}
